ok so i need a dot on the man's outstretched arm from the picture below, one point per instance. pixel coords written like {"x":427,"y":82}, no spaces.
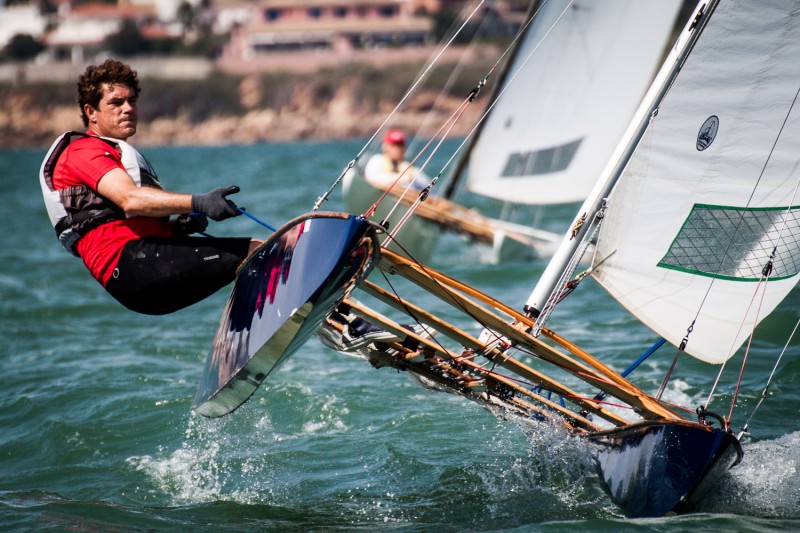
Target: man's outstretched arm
{"x":117,"y":186}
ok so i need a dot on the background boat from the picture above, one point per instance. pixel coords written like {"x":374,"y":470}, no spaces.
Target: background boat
{"x":555,"y":114}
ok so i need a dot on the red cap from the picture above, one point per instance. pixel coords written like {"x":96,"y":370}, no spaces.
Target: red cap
{"x":394,"y":137}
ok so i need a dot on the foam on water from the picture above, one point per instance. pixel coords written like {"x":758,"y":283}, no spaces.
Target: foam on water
{"x":252,"y":457}
{"x":765,"y":483}
{"x":240,"y":457}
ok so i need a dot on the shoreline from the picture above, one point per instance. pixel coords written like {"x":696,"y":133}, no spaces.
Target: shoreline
{"x":263,"y":125}
{"x":217,"y":107}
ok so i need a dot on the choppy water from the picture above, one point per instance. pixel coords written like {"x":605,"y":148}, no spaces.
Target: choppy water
{"x":97,"y":434}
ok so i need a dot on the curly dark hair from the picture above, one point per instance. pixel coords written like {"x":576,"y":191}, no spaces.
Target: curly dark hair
{"x":90,"y":84}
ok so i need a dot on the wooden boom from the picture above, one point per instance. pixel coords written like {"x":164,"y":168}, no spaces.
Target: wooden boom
{"x":587,"y":368}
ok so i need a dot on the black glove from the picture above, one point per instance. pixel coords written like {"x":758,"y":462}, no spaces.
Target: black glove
{"x":215,"y":205}
{"x":188,"y":224}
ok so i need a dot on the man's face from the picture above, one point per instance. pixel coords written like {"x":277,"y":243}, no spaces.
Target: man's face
{"x":395,"y":152}
{"x":115,"y":115}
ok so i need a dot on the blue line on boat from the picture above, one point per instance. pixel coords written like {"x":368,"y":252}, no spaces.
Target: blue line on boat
{"x":243,"y":211}
{"x":650,"y":351}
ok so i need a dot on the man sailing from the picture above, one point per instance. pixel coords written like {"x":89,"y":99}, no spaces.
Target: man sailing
{"x":108,"y":207}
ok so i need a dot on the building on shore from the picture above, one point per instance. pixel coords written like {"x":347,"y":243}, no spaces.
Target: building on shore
{"x":316,"y":33}
{"x":288,"y":35}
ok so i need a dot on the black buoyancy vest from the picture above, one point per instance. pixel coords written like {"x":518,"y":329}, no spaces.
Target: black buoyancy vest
{"x":74,"y":211}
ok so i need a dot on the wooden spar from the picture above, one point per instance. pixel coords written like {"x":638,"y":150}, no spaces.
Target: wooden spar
{"x":468,"y":341}
{"x":572,"y":418}
{"x":515,"y":315}
{"x":597,"y":374}
{"x":461,"y":220}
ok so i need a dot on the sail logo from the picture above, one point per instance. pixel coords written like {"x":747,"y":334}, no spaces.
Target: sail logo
{"x":707,"y":133}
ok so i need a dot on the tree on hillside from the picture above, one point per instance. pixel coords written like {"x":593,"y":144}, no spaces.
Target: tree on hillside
{"x":186,"y":16}
{"x":128,"y":41}
{"x":22,"y":47}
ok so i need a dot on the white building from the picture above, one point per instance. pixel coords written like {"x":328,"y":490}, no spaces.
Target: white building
{"x":20,"y":19}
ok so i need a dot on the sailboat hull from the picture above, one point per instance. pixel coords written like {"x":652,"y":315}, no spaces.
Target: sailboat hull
{"x":653,"y":468}
{"x":281,"y":295}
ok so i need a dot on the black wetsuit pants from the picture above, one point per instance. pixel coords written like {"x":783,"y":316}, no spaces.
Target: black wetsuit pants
{"x":158,"y":275}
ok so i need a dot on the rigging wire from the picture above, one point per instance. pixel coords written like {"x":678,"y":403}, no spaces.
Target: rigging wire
{"x":765,"y":392}
{"x":424,"y":193}
{"x":733,"y":341}
{"x":405,"y":97}
{"x":453,"y":117}
{"x":749,"y":344}
{"x":565,"y":286}
{"x":453,"y":76}
{"x":780,"y":356}
{"x":473,"y":94}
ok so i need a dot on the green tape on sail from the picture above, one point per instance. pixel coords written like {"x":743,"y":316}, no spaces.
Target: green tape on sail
{"x":735,"y":243}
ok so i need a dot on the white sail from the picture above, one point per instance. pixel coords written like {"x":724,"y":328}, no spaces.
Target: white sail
{"x":711,"y":189}
{"x":556,"y":125}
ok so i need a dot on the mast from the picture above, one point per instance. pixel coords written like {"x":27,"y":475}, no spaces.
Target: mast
{"x":622,"y":154}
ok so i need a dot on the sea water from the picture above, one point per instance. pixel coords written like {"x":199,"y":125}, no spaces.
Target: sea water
{"x":97,"y":431}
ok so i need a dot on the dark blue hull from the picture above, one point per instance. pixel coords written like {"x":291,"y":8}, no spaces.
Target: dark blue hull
{"x":281,"y":295}
{"x":654,"y":467}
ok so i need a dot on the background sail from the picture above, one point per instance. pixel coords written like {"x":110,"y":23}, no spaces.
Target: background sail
{"x":554,"y":128}
{"x":711,"y":188}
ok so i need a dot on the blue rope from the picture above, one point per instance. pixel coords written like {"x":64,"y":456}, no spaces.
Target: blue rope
{"x":243,"y":211}
{"x":658,"y":344}
{"x":650,"y":351}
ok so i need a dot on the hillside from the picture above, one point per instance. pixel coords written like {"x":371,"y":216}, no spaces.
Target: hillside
{"x":347,"y":102}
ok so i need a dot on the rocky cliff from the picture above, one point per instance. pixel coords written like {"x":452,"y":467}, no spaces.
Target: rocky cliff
{"x":224,"y":109}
